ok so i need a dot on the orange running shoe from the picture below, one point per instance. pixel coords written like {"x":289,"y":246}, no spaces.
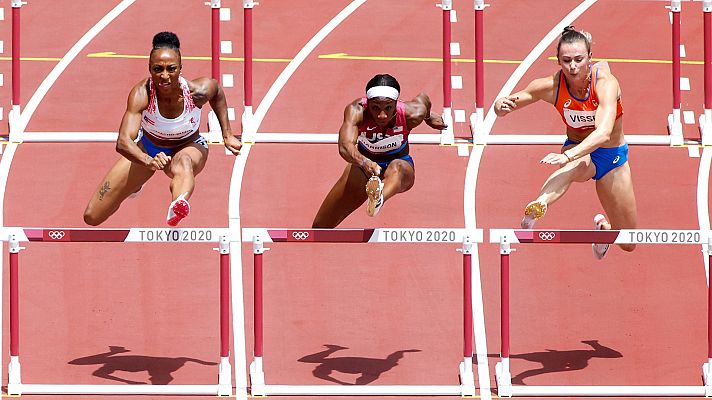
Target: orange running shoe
{"x":532,"y":212}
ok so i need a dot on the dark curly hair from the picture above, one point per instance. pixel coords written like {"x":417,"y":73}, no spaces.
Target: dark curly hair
{"x":166,"y":40}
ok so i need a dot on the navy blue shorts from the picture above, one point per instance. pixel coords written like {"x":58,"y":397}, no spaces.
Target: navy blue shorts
{"x":605,"y":159}
{"x":152,"y":149}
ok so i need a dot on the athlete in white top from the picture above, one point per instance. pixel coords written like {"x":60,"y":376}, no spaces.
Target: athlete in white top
{"x":159,"y":131}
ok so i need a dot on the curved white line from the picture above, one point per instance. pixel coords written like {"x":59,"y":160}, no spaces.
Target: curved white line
{"x":68,"y":58}
{"x":703,"y":213}
{"x":238,"y":171}
{"x":24,"y":117}
{"x":471,"y":187}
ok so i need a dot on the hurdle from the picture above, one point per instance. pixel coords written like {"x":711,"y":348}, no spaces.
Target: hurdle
{"x":506,"y":237}
{"x":15,"y":236}
{"x":674,"y":122}
{"x":14,"y":116}
{"x":705,"y":123}
{"x":260,"y":236}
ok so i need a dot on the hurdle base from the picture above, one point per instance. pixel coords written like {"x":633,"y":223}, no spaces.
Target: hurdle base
{"x":248,"y":136}
{"x":467,"y":378}
{"x":257,"y":378}
{"x":476,"y":126}
{"x":447,"y":135}
{"x":14,"y":381}
{"x":608,"y":391}
{"x":706,"y":378}
{"x":225,"y":377}
{"x":675,"y":130}
{"x":366,"y":390}
{"x":504,"y":381}
{"x":214,"y":130}
{"x":208,"y":390}
{"x":705,"y":125}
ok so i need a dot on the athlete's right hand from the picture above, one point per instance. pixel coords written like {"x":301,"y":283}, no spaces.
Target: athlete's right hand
{"x":159,"y":161}
{"x":505,"y":105}
{"x":371,"y":168}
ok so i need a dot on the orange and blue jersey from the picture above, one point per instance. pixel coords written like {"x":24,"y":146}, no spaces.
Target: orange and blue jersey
{"x":580,"y":114}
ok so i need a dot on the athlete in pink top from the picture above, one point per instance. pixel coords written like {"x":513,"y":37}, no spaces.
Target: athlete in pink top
{"x":588,"y":100}
{"x":373,"y":140}
{"x":165,"y":110}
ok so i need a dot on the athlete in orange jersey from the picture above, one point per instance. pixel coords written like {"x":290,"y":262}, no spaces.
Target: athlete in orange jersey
{"x":588,"y":98}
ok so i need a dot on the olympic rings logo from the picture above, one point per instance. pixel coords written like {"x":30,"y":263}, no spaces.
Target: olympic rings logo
{"x":55,"y":235}
{"x":547,"y":235}
{"x":300,"y":235}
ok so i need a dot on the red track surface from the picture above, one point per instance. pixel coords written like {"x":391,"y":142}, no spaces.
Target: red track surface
{"x":161,"y":300}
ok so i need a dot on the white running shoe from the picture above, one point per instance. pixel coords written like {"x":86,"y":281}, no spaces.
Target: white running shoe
{"x":374,"y":191}
{"x":179,"y":209}
{"x":600,"y":250}
{"x":532,"y":212}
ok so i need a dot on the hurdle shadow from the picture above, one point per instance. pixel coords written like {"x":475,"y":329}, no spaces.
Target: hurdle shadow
{"x":367,"y":369}
{"x":553,"y":361}
{"x":159,"y":368}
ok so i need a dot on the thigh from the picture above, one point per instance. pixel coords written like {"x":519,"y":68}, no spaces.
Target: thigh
{"x":197,"y":154}
{"x":123,"y":178}
{"x":403,"y":172}
{"x":615,"y":191}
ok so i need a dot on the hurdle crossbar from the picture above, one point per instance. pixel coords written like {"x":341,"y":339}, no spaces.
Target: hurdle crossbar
{"x":17,"y":235}
{"x":260,"y":236}
{"x":330,"y":138}
{"x":506,"y":237}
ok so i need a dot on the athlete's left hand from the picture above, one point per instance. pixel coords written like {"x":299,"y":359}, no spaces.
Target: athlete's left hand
{"x":436,"y":121}
{"x":233,"y":144}
{"x":554,"y":159}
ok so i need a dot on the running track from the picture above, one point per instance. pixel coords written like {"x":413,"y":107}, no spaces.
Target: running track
{"x":160,"y":301}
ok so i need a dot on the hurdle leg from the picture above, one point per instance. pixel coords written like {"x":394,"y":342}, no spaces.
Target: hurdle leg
{"x":706,"y":373}
{"x":674,"y":122}
{"x":257,"y":375}
{"x":706,"y":118}
{"x":504,"y":377}
{"x":477,"y":118}
{"x":467,"y":377}
{"x":14,"y":383}
{"x":225,"y":369}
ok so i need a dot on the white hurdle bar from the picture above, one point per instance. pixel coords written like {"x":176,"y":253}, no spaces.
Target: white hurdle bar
{"x":506,"y":237}
{"x":222,"y":236}
{"x":260,"y":236}
{"x":330,"y":138}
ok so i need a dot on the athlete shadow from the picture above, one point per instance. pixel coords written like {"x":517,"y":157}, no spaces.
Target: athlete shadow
{"x":368,"y":369}
{"x":159,"y":368}
{"x":561,"y":361}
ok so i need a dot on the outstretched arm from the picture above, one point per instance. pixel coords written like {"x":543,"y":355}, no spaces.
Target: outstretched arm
{"x":538,"y":89}
{"x":348,"y":135}
{"x":218,"y":103}
{"x":128,"y":131}
{"x":418,"y":110}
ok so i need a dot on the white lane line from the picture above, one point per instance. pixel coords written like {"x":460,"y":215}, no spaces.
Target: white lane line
{"x":6,"y":161}
{"x":238,"y":326}
{"x":68,"y":58}
{"x":703,"y":212}
{"x":471,"y":188}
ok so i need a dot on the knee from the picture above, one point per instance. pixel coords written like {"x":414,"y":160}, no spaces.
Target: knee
{"x":181,"y":164}
{"x":91,"y":219}
{"x":93,"y":216}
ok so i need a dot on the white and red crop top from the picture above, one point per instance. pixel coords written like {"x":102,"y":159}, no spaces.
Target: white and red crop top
{"x":179,"y":128}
